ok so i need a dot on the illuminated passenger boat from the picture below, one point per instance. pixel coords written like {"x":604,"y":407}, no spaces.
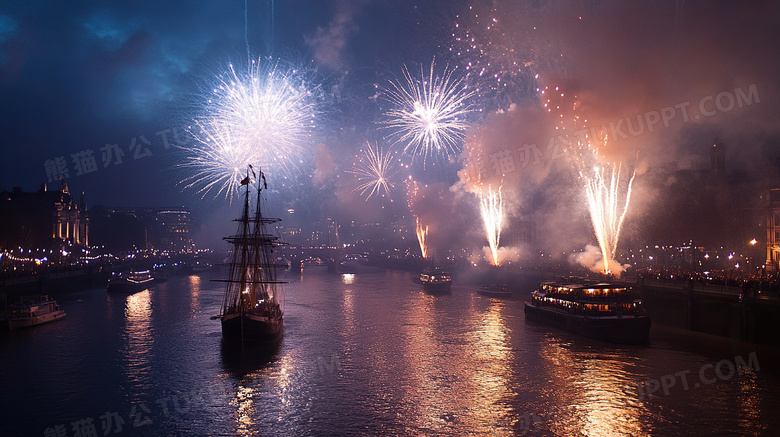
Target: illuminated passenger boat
{"x":31,"y":311}
{"x":436,"y":280}
{"x":608,"y":312}
{"x":130,"y":282}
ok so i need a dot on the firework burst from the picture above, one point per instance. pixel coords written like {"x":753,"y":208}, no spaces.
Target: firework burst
{"x":262,"y":117}
{"x":491,"y":205}
{"x":429,"y":114}
{"x":373,"y":169}
{"x":217,"y":164}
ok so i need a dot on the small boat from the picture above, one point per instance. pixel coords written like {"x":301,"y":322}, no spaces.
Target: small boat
{"x":130,"y":282}
{"x":32,"y":311}
{"x":200,"y":267}
{"x":604,"y":311}
{"x":252,"y":310}
{"x":497,"y":291}
{"x":357,"y":263}
{"x":436,"y":280}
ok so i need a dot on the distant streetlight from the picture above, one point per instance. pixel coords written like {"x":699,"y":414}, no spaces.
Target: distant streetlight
{"x":753,"y":242}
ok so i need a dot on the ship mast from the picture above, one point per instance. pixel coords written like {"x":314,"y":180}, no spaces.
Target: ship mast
{"x":251,"y":292}
{"x":238,"y":278}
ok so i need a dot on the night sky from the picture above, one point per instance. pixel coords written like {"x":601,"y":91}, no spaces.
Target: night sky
{"x":78,"y":76}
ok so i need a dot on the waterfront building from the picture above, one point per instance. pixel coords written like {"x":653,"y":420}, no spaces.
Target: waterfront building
{"x":773,"y":229}
{"x":173,"y":230}
{"x":43,"y":219}
{"x":168,"y":229}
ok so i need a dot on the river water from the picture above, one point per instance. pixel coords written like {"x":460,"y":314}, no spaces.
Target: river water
{"x":368,"y":354}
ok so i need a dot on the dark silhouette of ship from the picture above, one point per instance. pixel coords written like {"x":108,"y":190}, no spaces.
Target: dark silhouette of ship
{"x":253,"y":306}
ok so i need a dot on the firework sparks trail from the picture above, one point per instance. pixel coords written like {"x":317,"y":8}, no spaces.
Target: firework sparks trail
{"x":491,"y":206}
{"x":260,"y":117}
{"x":606,"y":191}
{"x":412,"y":191}
{"x":606,"y":213}
{"x":373,"y":170}
{"x":429,"y":116}
{"x":218,"y":165}
{"x":422,"y":234}
{"x":504,"y":47}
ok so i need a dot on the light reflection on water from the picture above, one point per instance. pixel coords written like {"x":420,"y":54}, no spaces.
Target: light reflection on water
{"x":591,"y":390}
{"x":367,"y":354}
{"x":138,"y":336}
{"x":489,"y":391}
{"x":194,"y":294}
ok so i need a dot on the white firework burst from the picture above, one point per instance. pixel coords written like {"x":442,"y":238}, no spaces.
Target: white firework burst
{"x":429,"y":114}
{"x":263,"y":117}
{"x":373,"y":169}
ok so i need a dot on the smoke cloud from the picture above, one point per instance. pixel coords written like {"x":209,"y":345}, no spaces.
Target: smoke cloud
{"x":592,"y":260}
{"x":330,"y":44}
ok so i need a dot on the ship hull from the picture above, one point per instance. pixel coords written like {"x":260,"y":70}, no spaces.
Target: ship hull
{"x":613,"y":329}
{"x":496,"y":292}
{"x":437,"y":287}
{"x":252,"y":330}
{"x":122,"y":286}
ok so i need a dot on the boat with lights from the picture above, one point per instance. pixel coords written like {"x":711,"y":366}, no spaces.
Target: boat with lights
{"x":436,"y":280}
{"x":252,"y":308}
{"x":606,"y":311}
{"x":130,"y":282}
{"x":32,"y":311}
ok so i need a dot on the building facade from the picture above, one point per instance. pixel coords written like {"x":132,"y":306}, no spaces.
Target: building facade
{"x":773,"y":230}
{"x":43,"y":219}
{"x":122,"y":229}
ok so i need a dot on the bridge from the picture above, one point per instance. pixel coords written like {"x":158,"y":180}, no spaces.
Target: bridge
{"x":298,"y":255}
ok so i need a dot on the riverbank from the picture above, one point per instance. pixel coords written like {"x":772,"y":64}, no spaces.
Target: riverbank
{"x":724,"y":311}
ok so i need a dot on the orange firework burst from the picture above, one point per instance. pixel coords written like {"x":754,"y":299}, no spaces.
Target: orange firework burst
{"x":422,"y":234}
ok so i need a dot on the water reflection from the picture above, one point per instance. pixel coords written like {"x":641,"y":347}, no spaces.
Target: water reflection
{"x":490,"y":393}
{"x":194,"y":281}
{"x":239,"y":362}
{"x":749,"y":401}
{"x":424,"y":393}
{"x":457,"y":378}
{"x":138,"y":338}
{"x":375,"y":357}
{"x":588,"y":390}
{"x":248,"y":367}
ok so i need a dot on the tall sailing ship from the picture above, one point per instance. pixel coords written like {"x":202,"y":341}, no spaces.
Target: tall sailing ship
{"x":252,"y":310}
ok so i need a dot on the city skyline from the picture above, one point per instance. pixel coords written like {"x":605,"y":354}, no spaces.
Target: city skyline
{"x":104,"y":96}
